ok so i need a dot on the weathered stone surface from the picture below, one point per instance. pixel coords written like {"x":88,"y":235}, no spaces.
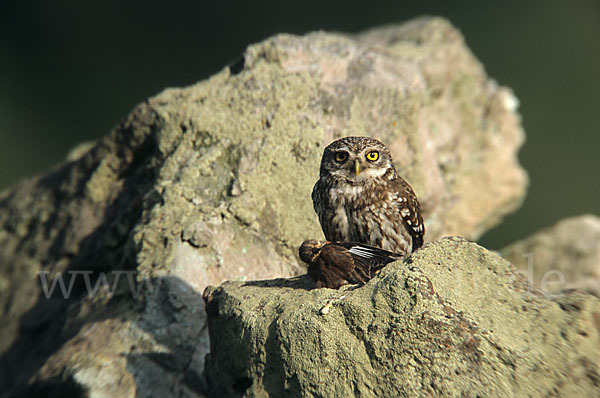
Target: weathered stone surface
{"x":456,"y":320}
{"x":212,"y":182}
{"x":564,"y":256}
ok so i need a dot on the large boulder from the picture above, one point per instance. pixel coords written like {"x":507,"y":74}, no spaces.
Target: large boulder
{"x":563,"y":256}
{"x":455,"y":320}
{"x":212,"y":182}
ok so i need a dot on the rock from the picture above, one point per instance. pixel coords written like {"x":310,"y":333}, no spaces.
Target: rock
{"x":455,"y":320}
{"x":564,"y":256}
{"x":212,"y":182}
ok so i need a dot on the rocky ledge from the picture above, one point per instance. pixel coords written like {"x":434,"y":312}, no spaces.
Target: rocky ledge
{"x":453,"y":320}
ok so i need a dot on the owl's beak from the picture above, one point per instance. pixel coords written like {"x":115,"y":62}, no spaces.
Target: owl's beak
{"x":356,"y":167}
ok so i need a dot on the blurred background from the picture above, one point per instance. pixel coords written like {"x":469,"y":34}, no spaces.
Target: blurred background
{"x":70,"y":70}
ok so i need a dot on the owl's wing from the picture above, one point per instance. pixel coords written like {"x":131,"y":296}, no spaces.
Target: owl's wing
{"x":410,"y":211}
{"x":322,"y":208}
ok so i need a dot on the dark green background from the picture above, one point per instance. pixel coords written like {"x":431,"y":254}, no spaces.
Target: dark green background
{"x":70,"y":70}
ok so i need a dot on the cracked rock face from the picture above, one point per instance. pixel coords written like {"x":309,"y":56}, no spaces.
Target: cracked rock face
{"x":212,"y":182}
{"x":455,"y":320}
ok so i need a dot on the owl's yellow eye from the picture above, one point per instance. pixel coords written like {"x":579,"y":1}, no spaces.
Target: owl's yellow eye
{"x":341,"y":156}
{"x":372,"y":156}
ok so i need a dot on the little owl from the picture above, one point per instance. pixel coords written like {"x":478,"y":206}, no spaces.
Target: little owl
{"x":359,"y":197}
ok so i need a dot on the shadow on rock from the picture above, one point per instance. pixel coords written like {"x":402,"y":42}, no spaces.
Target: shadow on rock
{"x":175,"y":318}
{"x":299,"y":282}
{"x":57,"y":315}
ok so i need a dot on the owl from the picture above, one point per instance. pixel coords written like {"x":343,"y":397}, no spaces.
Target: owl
{"x":334,"y":264}
{"x":359,"y":197}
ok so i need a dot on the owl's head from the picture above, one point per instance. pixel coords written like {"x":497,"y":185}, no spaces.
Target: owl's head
{"x":356,"y":159}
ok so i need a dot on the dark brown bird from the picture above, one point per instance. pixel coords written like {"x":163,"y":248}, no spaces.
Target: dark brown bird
{"x":334,"y":264}
{"x":359,"y":197}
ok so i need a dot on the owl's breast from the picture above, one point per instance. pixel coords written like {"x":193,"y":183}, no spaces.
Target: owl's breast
{"x":356,"y":198}
{"x":345,"y":194}
{"x":338,"y":221}
{"x":353,"y":207}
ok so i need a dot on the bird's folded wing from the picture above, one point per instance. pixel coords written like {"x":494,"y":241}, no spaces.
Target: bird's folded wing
{"x":370,"y":259}
{"x":340,"y":262}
